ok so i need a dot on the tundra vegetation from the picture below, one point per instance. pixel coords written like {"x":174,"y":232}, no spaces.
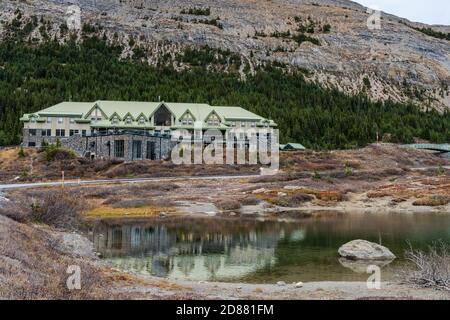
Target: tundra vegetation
{"x":57,"y":208}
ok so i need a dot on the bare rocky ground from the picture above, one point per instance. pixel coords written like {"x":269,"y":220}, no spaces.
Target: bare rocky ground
{"x":394,"y":61}
{"x":376,"y":179}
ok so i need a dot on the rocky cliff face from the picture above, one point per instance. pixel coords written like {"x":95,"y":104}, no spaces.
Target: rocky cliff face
{"x":339,"y":43}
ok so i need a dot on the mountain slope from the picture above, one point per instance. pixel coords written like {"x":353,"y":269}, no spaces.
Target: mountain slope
{"x":328,"y":38}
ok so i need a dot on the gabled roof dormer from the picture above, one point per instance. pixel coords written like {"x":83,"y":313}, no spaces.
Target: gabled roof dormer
{"x":164,"y":105}
{"x":163,"y":115}
{"x":115,"y":118}
{"x":92,"y":111}
{"x":142,"y":116}
{"x":115,"y":115}
{"x":128,"y":118}
{"x":187,"y":118}
{"x":188,"y":112}
{"x":215,"y":115}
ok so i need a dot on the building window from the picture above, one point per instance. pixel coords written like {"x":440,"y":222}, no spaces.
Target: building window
{"x":128,"y":120}
{"x":243,"y":124}
{"x":49,"y":120}
{"x":46,"y":132}
{"x":119,"y":148}
{"x":233,"y":124}
{"x":151,"y":155}
{"x":83,"y":133}
{"x":60,"y":132}
{"x":213,"y":120}
{"x":142,"y":120}
{"x":32,"y":132}
{"x":163,"y":117}
{"x":72,"y":120}
{"x":115,"y":120}
{"x":137,"y":149}
{"x":32,"y":144}
{"x":253,"y":124}
{"x":33,"y":119}
{"x":73,"y":132}
{"x":187,"y":119}
{"x":157,"y":132}
{"x":60,"y":120}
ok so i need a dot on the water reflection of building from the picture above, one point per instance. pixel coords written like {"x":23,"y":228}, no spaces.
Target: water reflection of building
{"x":171,"y":252}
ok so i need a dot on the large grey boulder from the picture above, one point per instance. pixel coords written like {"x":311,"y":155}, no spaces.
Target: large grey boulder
{"x":365,"y":250}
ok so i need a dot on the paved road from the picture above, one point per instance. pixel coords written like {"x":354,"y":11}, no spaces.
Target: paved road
{"x":164,"y":179}
{"x":429,"y":168}
{"x":112,"y":181}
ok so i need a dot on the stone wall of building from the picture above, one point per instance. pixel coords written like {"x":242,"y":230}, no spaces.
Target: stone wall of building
{"x":104,"y":146}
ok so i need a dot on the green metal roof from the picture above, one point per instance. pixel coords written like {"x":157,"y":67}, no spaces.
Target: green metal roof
{"x":120,"y":125}
{"x":200,"y":112}
{"x":67,"y":108}
{"x":292,"y":146}
{"x":122,"y":108}
{"x":236,"y":113}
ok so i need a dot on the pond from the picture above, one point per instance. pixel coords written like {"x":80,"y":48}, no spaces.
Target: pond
{"x":258,"y":251}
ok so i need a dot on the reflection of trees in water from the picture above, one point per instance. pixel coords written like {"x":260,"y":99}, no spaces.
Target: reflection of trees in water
{"x":186,"y":264}
{"x":158,"y":249}
{"x":212,"y":264}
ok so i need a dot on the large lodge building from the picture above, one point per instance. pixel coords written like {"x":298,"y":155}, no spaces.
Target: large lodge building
{"x":130,"y":130}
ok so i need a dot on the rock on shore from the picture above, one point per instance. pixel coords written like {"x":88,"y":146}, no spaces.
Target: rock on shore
{"x":365,"y":250}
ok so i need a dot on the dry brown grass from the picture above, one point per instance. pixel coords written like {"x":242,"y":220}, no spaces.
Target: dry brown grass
{"x":250,"y":201}
{"x":426,"y":191}
{"x":137,"y":212}
{"x":35,"y":167}
{"x":292,"y":200}
{"x":32,"y":267}
{"x":432,"y":201}
{"x":58,"y":208}
{"x":372,"y":157}
{"x":228,"y":205}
